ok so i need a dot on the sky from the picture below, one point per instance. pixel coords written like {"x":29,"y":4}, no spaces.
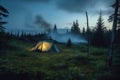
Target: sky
{"x":38,"y":15}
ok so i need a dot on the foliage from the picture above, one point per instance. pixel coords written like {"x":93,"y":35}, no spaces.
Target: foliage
{"x":75,"y":28}
{"x":118,"y":36}
{"x":83,"y":31}
{"x":3,"y":13}
{"x":99,"y":38}
{"x":69,"y":43}
{"x":55,"y":28}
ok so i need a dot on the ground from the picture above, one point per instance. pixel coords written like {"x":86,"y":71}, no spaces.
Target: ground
{"x":17,"y":62}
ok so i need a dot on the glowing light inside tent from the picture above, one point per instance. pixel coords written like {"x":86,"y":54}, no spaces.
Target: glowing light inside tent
{"x":44,"y":46}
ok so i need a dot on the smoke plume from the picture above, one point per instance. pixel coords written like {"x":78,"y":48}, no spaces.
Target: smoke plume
{"x":42,"y":23}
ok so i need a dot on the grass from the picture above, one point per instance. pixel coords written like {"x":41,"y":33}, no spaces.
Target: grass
{"x":18,"y":63}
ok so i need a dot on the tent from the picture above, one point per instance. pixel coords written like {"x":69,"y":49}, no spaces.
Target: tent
{"x":46,"y":46}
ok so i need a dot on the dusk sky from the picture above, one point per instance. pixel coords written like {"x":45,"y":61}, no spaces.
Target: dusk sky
{"x":23,"y":13}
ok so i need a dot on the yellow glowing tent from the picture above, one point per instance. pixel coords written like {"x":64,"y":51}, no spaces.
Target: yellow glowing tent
{"x":45,"y":46}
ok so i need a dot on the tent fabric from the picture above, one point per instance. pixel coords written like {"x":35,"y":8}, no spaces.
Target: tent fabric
{"x":45,"y":46}
{"x":54,"y":47}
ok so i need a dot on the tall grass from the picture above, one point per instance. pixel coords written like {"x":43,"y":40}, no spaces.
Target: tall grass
{"x":73,"y":63}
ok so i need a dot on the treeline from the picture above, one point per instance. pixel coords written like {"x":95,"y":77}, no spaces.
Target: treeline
{"x":100,"y":36}
{"x":28,"y":37}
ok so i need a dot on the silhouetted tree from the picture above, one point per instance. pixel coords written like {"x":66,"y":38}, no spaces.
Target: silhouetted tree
{"x":98,"y":37}
{"x":88,"y":34}
{"x":83,"y":31}
{"x":3,"y":37}
{"x":118,"y":36}
{"x":55,"y":28}
{"x":49,"y":31}
{"x":75,"y":28}
{"x":69,"y":43}
{"x":3,"y":13}
{"x":17,"y":34}
{"x":114,"y":56}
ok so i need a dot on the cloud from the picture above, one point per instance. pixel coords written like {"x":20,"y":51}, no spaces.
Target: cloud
{"x":80,"y":6}
{"x":36,"y":0}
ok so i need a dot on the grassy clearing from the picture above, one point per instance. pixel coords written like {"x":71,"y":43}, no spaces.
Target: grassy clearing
{"x":73,"y":63}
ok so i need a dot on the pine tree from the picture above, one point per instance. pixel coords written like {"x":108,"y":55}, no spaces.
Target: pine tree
{"x":114,"y":56}
{"x":98,"y":38}
{"x":55,"y":28}
{"x":3,"y":13}
{"x":3,"y":37}
{"x":83,"y":31}
{"x":75,"y":28}
{"x":69,"y":43}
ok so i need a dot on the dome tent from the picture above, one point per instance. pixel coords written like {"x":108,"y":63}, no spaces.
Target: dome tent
{"x":46,"y":46}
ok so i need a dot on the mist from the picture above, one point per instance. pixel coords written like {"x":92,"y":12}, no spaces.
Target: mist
{"x":63,"y":37}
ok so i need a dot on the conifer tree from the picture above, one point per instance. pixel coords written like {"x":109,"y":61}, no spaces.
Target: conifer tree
{"x":3,"y":13}
{"x":83,"y":31}
{"x":69,"y":43}
{"x":98,"y":38}
{"x":75,"y":28}
{"x":55,"y":28}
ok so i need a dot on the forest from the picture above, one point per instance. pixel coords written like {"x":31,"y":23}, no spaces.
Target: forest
{"x":77,"y":54}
